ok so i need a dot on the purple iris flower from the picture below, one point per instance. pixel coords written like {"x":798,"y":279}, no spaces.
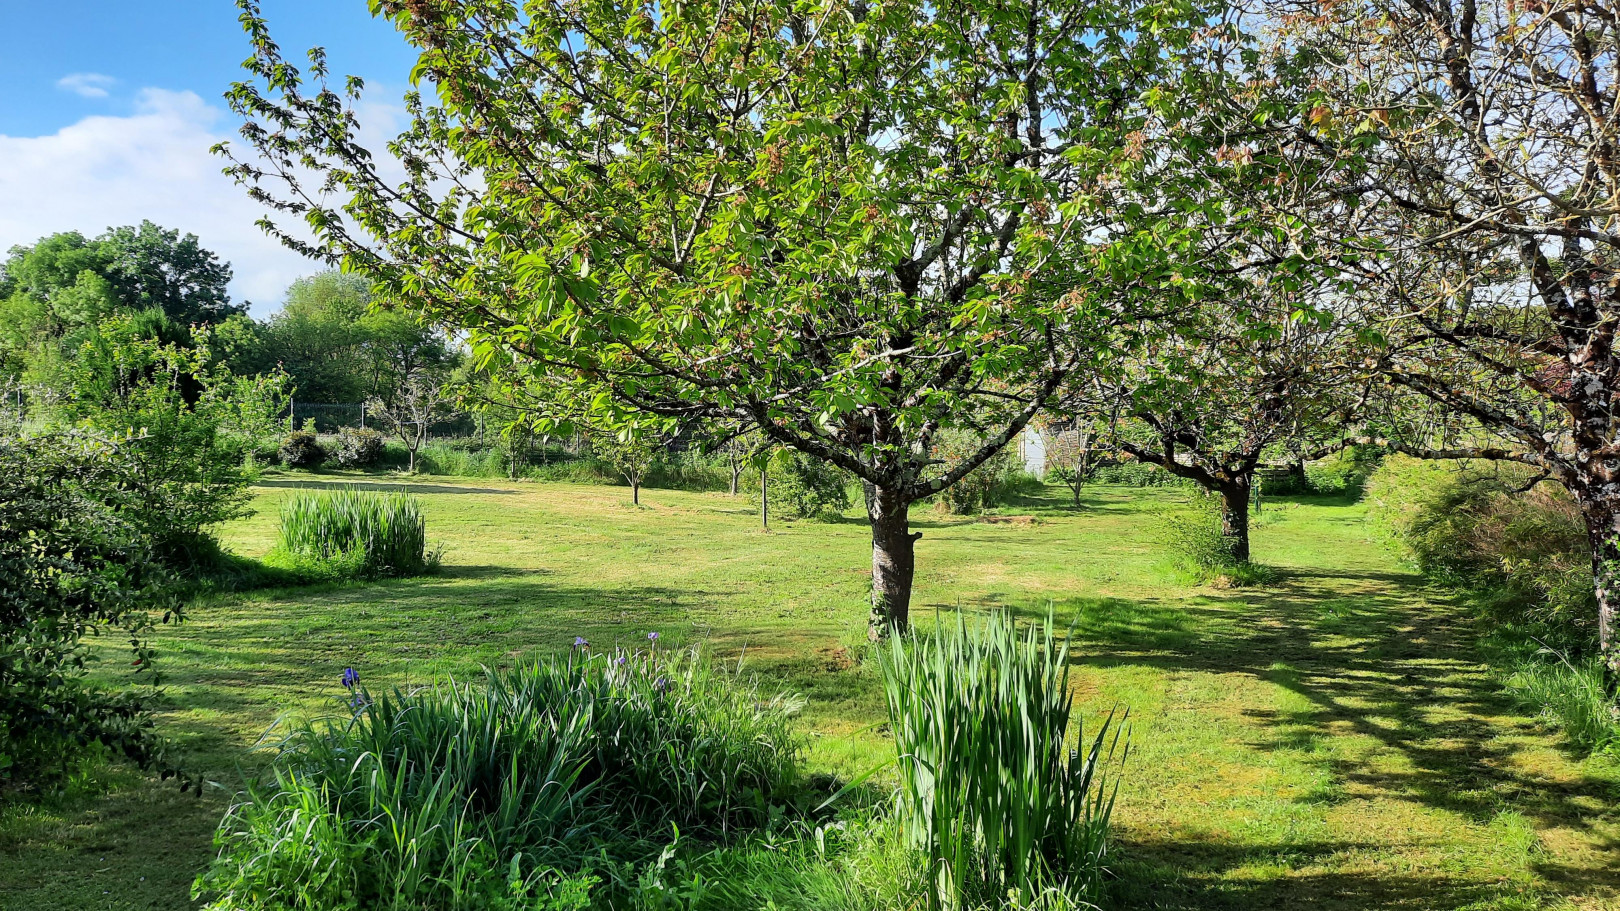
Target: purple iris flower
{"x":652,"y":637}
{"x":351,"y":678}
{"x":580,"y":642}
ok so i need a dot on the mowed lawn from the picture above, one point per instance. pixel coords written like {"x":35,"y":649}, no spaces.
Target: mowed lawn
{"x":1329,"y":741}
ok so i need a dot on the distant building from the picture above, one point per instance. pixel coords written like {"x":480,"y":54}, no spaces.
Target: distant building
{"x":1032,"y":451}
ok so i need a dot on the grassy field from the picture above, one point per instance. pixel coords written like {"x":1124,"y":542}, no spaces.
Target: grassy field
{"x":1330,"y":741}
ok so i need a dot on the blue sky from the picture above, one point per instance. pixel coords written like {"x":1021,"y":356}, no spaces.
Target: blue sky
{"x":111,"y":106}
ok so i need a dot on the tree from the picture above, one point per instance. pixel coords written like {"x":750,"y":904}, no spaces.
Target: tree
{"x":1070,"y":455}
{"x":156,"y":268}
{"x":318,"y":338}
{"x":1479,"y":139}
{"x":630,"y":454}
{"x":740,"y":447}
{"x":849,"y":227}
{"x":340,"y":346}
{"x":418,"y":403}
{"x":187,"y":425}
{"x":1230,"y":384}
{"x":397,"y":348}
{"x":54,"y":293}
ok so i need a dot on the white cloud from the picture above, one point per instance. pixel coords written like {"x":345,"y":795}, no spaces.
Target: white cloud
{"x":155,"y":164}
{"x":87,"y":85}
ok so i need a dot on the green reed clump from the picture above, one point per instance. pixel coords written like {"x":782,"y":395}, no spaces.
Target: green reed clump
{"x":535,"y":788}
{"x":1000,"y":806}
{"x":1570,"y":694}
{"x":377,"y":534}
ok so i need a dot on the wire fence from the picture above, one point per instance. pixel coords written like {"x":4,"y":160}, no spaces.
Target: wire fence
{"x":328,"y":416}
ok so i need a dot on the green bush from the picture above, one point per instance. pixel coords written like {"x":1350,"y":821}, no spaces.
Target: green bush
{"x":301,"y":449}
{"x":179,"y":420}
{"x":524,"y":791}
{"x":357,"y":448}
{"x":1525,"y":553}
{"x":1344,"y":472}
{"x":994,"y":483}
{"x":1273,"y":482}
{"x":1194,"y":539}
{"x":74,"y":560}
{"x":1135,"y":474}
{"x":810,"y":488}
{"x":991,"y":795}
{"x":376,"y":534}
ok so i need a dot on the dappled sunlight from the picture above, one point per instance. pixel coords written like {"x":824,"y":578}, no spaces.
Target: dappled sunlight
{"x":1331,"y":739}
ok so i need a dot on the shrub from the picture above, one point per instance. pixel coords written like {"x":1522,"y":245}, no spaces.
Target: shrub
{"x":990,"y":794}
{"x":1136,"y":474}
{"x":1344,"y":472}
{"x":1525,"y":552}
{"x":505,"y":794}
{"x":301,"y":449}
{"x":182,"y":422}
{"x":73,"y":561}
{"x":984,"y":487}
{"x":811,"y":488}
{"x":378,"y":534}
{"x":357,"y":448}
{"x":1198,"y":547}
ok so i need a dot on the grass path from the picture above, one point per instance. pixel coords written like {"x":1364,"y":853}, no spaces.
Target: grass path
{"x":1329,"y":741}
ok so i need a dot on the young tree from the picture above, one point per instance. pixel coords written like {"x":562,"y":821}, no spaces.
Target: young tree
{"x":631,"y":455}
{"x":849,"y":226}
{"x":185,"y":423}
{"x":420,"y":402}
{"x":1070,"y":454}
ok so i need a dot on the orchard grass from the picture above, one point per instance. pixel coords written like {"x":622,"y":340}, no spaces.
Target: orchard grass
{"x":1330,"y":739}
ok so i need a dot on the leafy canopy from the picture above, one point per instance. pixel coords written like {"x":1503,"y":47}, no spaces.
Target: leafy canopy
{"x":852,"y":225}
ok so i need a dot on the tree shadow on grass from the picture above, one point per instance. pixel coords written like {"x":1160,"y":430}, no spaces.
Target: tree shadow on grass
{"x":1371,"y":655}
{"x":1194,"y":876}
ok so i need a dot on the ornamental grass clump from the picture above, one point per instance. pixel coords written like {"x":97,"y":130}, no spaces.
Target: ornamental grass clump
{"x":377,"y":534}
{"x":537,"y":787}
{"x":991,"y":795}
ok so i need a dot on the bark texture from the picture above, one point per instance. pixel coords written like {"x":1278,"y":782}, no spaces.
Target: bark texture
{"x":894,"y":563}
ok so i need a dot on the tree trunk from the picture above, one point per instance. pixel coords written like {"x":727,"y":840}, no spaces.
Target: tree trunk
{"x":635,"y":490}
{"x":736,"y":473}
{"x":1603,"y":533}
{"x":1082,"y":468}
{"x":764,"y":499}
{"x":1298,"y":480}
{"x":894,"y":563}
{"x":1235,"y":517}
